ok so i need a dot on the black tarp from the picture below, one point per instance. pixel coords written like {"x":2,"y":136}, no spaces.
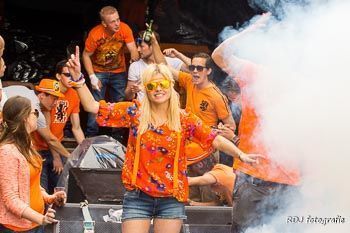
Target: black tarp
{"x":102,"y":152}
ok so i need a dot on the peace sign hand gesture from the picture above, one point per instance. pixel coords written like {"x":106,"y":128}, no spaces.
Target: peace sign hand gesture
{"x":73,"y":65}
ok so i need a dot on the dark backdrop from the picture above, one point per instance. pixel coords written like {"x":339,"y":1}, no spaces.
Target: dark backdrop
{"x":68,"y":20}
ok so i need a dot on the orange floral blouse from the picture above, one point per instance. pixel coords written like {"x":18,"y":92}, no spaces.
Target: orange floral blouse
{"x":157,"y":151}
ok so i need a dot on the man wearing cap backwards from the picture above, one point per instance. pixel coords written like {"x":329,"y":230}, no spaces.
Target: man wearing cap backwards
{"x":44,"y":98}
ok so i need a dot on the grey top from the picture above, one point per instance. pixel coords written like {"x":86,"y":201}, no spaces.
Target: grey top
{"x":30,"y":94}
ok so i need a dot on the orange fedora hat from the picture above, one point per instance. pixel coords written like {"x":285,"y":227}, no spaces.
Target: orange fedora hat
{"x":49,"y":86}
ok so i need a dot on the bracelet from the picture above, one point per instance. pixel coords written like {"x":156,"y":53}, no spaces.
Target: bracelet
{"x":43,"y":221}
{"x":235,"y":140}
{"x":78,"y":83}
{"x":77,"y":87}
{"x":81,"y":77}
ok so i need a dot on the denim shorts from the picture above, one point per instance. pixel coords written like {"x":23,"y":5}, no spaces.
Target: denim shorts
{"x":139,"y":205}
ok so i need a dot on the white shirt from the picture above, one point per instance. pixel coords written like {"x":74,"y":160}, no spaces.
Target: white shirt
{"x":136,"y":69}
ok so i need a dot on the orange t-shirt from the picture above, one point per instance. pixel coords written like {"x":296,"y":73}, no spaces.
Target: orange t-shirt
{"x":108,"y":51}
{"x":36,"y":198}
{"x":157,"y":150}
{"x":225,"y":179}
{"x":267,"y":169}
{"x":59,"y":115}
{"x":209,"y":104}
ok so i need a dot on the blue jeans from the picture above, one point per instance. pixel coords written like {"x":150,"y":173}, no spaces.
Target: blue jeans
{"x":225,"y":159}
{"x":257,"y":200}
{"x":139,"y":205}
{"x":39,"y":229}
{"x":116,"y":84}
{"x":49,"y":178}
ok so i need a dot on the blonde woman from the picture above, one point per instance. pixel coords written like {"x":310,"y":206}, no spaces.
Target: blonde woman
{"x":154,"y":172}
{"x":22,"y":200}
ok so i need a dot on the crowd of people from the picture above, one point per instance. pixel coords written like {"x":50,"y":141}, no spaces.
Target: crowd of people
{"x":191,"y":141}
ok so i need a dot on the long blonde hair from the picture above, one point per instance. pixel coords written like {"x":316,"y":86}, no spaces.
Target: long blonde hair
{"x":173,"y":114}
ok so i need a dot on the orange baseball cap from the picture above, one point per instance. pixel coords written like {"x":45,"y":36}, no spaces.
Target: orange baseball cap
{"x":195,"y":153}
{"x":49,"y":86}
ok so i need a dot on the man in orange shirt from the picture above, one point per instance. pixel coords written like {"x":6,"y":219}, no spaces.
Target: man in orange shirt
{"x":221,"y":179}
{"x":259,"y":189}
{"x":203,"y":97}
{"x":104,"y":59}
{"x":66,"y":108}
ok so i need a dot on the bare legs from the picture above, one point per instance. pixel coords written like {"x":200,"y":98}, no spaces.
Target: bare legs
{"x":160,"y":225}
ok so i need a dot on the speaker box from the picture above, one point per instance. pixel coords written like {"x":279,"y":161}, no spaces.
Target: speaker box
{"x":200,"y":219}
{"x":97,"y":186}
{"x":219,"y":215}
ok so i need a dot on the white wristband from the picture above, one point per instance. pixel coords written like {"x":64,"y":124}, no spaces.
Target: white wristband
{"x":93,"y":79}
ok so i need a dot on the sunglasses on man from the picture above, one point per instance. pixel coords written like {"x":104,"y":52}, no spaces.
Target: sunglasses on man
{"x":198,"y":68}
{"x":66,"y":74}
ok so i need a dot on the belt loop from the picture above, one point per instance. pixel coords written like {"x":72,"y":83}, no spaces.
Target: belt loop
{"x":138,"y":192}
{"x":252,"y":181}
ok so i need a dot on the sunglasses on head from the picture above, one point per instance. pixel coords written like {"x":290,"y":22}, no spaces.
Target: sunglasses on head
{"x":198,"y":68}
{"x":66,"y":74}
{"x":36,"y":113}
{"x":138,"y":41}
{"x":164,"y":84}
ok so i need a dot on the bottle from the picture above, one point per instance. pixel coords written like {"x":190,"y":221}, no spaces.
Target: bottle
{"x":147,"y":35}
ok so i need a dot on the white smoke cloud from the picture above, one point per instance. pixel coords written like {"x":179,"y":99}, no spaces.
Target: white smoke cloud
{"x":304,"y":100}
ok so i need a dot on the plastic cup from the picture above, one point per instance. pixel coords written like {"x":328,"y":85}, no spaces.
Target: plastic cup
{"x":57,"y":189}
{"x":61,"y":200}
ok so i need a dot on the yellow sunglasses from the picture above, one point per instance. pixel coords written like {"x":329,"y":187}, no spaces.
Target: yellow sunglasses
{"x":164,"y":84}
